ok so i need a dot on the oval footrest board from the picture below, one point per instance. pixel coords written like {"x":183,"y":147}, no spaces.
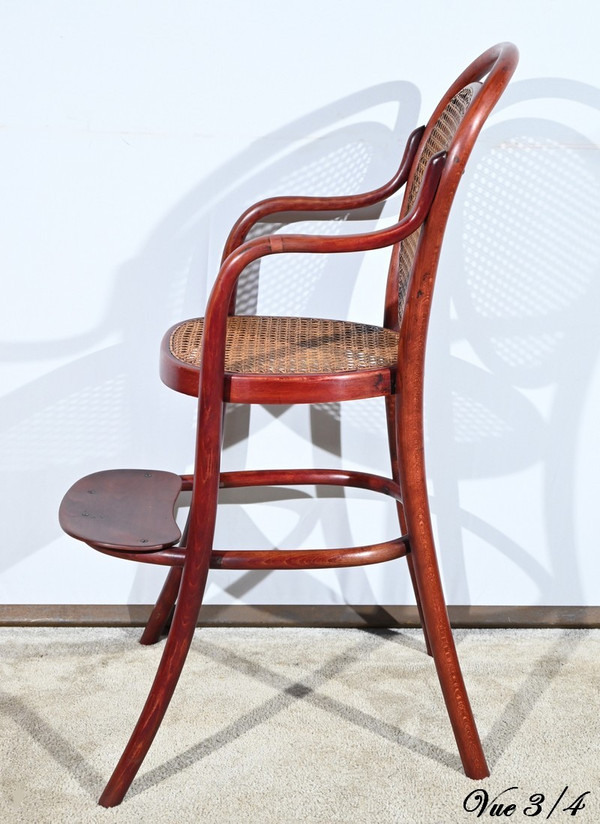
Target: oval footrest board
{"x":129,"y":509}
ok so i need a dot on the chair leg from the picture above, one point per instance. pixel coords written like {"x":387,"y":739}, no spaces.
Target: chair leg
{"x":166,"y":600}
{"x":390,"y":409}
{"x":447,"y":665}
{"x":170,"y":667}
{"x":435,"y":614}
{"x":415,"y":586}
{"x":163,"y":607}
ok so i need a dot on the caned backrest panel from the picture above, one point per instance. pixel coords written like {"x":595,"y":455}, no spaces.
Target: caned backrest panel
{"x":439,"y":140}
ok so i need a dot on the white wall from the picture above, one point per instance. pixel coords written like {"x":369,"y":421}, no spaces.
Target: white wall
{"x":132,"y":134}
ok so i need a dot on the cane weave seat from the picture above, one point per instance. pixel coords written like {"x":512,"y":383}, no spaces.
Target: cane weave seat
{"x":263,"y":345}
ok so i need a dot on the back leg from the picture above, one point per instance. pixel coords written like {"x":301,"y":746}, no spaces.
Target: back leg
{"x":444,"y":653}
{"x":166,"y":600}
{"x":163,"y":607}
{"x":390,"y":409}
{"x":411,"y":456}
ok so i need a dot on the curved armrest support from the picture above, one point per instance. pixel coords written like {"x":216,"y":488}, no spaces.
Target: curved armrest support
{"x":272,"y":205}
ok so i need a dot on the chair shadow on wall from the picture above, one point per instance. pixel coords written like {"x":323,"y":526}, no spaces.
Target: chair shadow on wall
{"x":527,"y":231}
{"x":514,"y":302}
{"x":521,"y":289}
{"x":92,"y":406}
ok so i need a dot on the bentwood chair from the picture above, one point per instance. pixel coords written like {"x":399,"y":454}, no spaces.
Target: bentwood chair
{"x":225,"y":358}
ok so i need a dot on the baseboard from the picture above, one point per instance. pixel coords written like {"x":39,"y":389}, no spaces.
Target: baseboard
{"x":134,"y":615}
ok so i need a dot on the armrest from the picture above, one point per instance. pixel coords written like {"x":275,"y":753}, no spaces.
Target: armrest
{"x":236,"y":262}
{"x":272,"y":205}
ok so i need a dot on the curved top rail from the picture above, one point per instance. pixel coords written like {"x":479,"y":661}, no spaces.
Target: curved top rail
{"x":493,"y":69}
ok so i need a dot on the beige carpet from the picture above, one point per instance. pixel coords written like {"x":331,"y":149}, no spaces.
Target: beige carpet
{"x":297,"y":725}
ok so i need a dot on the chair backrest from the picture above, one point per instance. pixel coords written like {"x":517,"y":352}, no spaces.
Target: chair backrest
{"x":453,"y":128}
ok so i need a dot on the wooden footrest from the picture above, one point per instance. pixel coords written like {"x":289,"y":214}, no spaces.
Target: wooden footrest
{"x":127,"y":509}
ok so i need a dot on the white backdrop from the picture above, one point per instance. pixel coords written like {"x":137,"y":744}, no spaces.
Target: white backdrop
{"x":132,"y":135}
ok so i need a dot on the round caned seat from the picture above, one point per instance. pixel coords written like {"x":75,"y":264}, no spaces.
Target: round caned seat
{"x":288,"y":349}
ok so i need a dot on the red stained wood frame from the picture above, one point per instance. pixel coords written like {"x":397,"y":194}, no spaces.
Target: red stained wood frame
{"x":425,"y":209}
